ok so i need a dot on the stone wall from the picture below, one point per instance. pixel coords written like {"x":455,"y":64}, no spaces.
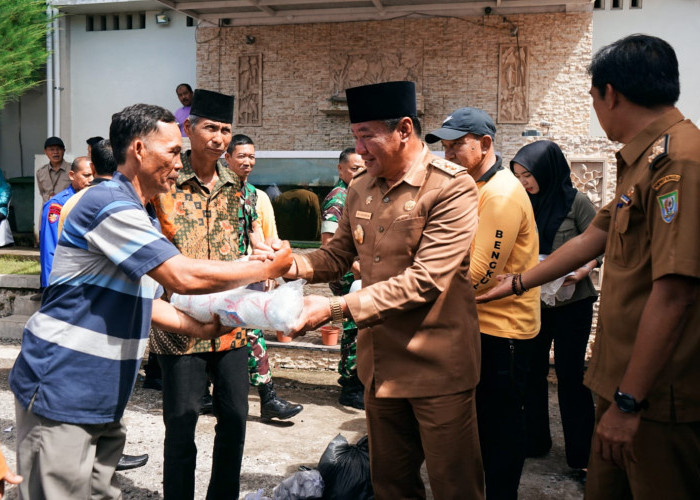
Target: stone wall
{"x":291,"y":72}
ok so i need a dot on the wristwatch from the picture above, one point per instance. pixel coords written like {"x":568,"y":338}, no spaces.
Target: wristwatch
{"x":627,"y":404}
{"x":336,"y":310}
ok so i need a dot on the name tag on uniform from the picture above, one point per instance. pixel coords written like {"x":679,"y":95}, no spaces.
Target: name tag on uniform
{"x":363,"y":215}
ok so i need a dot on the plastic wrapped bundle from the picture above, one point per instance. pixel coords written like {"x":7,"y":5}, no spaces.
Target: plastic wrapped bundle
{"x":302,"y":485}
{"x":278,"y":309}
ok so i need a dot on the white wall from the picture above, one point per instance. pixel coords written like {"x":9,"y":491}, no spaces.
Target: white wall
{"x":677,"y":22}
{"x":113,"y":69}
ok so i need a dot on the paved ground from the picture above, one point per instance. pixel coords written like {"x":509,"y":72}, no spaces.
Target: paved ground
{"x":273,"y":451}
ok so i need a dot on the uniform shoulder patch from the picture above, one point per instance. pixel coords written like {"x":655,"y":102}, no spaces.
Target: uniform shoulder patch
{"x":447,"y":166}
{"x":658,"y":151}
{"x":54,"y":212}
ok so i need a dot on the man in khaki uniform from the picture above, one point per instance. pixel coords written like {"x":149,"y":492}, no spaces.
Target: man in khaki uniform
{"x":410,"y":217}
{"x":53,"y":177}
{"x":645,"y":366}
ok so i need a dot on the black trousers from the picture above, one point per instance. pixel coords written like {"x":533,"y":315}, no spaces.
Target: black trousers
{"x":569,"y":327}
{"x":499,"y":406}
{"x":184,"y":382}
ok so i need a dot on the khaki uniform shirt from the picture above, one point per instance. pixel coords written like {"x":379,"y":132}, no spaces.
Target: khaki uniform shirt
{"x":202,"y":224}
{"x":419,"y":334}
{"x":51,"y":182}
{"x":653,"y":226}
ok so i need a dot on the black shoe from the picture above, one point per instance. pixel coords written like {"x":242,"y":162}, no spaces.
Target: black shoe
{"x":207,"y":404}
{"x":272,"y":406}
{"x":354,"y":397}
{"x":127,"y":462}
{"x":153,"y":383}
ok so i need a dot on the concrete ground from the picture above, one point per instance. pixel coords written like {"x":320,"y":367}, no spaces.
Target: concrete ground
{"x":273,"y":451}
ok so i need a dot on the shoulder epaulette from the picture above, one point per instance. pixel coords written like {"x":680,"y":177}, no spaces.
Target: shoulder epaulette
{"x":447,"y":166}
{"x":658,"y":151}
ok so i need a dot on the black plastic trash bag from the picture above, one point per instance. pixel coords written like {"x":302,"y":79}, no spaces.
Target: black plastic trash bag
{"x":345,"y":470}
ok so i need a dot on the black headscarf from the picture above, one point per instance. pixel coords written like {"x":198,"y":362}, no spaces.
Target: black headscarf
{"x":545,"y":161}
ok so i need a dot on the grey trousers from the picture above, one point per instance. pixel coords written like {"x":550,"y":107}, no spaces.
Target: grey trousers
{"x":62,"y":461}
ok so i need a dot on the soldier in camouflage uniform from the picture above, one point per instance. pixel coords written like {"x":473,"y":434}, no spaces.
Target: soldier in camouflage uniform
{"x":352,"y":392}
{"x":240,"y":156}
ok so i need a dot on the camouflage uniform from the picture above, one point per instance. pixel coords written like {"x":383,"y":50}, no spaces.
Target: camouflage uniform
{"x":331,"y":212}
{"x":258,"y":363}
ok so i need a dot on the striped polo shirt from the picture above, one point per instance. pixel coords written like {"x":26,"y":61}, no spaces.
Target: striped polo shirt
{"x":82,"y":350}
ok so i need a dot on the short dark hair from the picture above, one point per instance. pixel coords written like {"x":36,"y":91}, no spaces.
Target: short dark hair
{"x":643,"y":68}
{"x":394,"y":122}
{"x":184,"y":85}
{"x":135,"y":121}
{"x":345,"y":153}
{"x":94,"y":140}
{"x":239,"y":140}
{"x":76,"y":163}
{"x":103,"y":158}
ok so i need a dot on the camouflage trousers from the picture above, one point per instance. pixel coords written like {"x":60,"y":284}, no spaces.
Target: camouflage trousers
{"x":258,"y":362}
{"x":347,"y":366}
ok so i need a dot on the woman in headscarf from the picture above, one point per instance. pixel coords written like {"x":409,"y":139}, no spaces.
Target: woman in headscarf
{"x":561,"y":213}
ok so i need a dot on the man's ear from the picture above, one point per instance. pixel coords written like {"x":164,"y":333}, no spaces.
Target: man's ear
{"x":486,"y":141}
{"x":612,"y":96}
{"x":405,"y":128}
{"x":188,"y":127}
{"x":71,"y":175}
{"x":139,"y":148}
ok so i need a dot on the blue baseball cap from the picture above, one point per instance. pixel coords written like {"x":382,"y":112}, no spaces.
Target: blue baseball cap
{"x":462,"y":122}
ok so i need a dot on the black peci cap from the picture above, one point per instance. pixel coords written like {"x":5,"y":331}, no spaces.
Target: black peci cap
{"x":212,"y":105}
{"x":381,"y":101}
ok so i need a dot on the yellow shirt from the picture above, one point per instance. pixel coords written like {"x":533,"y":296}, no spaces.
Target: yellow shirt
{"x":506,"y":241}
{"x":266,"y":215}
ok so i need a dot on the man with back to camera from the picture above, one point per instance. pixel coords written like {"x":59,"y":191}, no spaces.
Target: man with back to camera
{"x":644,"y":366}
{"x":53,"y":177}
{"x":506,"y":241}
{"x":80,"y":177}
{"x":410,"y":217}
{"x":81,"y":352}
{"x":240,"y":157}
{"x":184,"y":94}
{"x":351,"y":389}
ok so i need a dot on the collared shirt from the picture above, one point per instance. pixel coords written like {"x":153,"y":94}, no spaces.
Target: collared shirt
{"x":506,"y":242}
{"x":181,"y":115}
{"x":48,"y":234}
{"x":653,"y":231}
{"x":50,"y":181}
{"x":82,"y":350}
{"x":247,"y":215}
{"x":419,"y":334}
{"x":203,"y":225}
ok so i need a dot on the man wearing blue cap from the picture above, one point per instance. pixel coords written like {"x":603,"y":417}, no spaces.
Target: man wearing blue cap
{"x":410,"y":218}
{"x":506,"y":242}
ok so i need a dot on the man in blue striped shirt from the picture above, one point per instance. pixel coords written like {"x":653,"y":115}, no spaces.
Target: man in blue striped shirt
{"x":81,"y":352}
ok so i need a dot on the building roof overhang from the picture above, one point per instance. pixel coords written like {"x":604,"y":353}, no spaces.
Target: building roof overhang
{"x":269,"y":12}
